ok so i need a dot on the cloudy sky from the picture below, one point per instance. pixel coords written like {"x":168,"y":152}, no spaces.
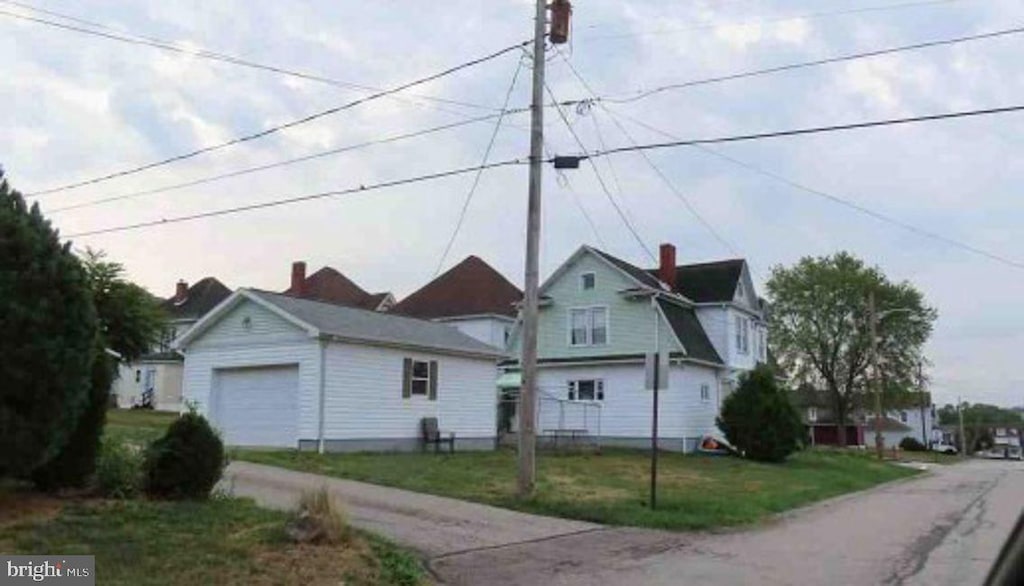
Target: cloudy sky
{"x":74,"y":106}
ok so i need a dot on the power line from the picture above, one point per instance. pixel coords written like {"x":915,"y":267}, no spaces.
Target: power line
{"x":600,"y":180}
{"x":641,"y":94}
{"x":806,"y":16}
{"x":804,"y":131}
{"x":567,"y":186}
{"x":657,"y":171}
{"x":841,"y":201}
{"x":285,"y":163}
{"x":480,"y":172}
{"x":280,"y":127}
{"x":166,"y":45}
{"x":297,"y":199}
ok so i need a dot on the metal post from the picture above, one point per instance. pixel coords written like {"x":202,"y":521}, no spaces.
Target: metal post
{"x":963,"y":437}
{"x":879,"y":440}
{"x":654,"y":433}
{"x":531,"y":281}
{"x":920,"y":385}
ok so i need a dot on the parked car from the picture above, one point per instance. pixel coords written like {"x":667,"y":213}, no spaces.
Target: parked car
{"x":1003,"y":453}
{"x":943,"y":448}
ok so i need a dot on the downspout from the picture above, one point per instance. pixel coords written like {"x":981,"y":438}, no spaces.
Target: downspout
{"x":322,"y":385}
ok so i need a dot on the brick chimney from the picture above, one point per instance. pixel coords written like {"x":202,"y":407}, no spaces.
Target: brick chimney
{"x":667,"y":266}
{"x":181,"y":292}
{"x":298,"y":287}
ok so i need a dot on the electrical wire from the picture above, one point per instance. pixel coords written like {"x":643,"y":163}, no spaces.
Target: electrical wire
{"x":479,"y":173}
{"x":284,"y":163}
{"x":641,"y":94}
{"x":841,"y":201}
{"x":166,"y":45}
{"x":771,"y":20}
{"x":657,"y":171}
{"x":297,"y":199}
{"x":567,"y":186}
{"x":274,"y":129}
{"x":600,"y":180}
{"x":804,"y":131}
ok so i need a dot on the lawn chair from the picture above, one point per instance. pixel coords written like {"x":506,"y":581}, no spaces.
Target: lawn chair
{"x":432,"y":435}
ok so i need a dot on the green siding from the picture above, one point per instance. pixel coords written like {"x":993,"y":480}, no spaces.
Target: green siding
{"x":630,"y":322}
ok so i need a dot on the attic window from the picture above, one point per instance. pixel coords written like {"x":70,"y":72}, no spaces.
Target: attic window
{"x":247,"y":323}
{"x":739,"y":289}
{"x":587,"y":281}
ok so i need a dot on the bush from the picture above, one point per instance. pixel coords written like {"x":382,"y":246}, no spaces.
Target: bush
{"x":759,"y":420}
{"x":319,"y":519}
{"x":46,"y":345}
{"x":75,"y":464}
{"x":186,"y":462}
{"x":912,"y":445}
{"x":118,"y":470}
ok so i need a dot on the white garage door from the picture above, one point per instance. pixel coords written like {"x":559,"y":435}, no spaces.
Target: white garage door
{"x":257,"y":406}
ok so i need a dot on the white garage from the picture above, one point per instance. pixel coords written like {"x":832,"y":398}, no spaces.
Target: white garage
{"x":274,"y":370}
{"x":257,"y":406}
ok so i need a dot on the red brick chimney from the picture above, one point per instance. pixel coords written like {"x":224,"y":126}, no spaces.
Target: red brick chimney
{"x":667,"y":266}
{"x":181,"y":292}
{"x":298,"y":287}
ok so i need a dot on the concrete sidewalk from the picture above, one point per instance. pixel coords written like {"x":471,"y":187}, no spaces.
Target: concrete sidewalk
{"x":435,"y":526}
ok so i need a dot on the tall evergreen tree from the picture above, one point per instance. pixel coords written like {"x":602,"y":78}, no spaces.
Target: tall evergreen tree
{"x":49,"y":332}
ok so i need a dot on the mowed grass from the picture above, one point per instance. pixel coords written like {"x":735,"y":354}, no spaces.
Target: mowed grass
{"x":138,"y":427}
{"x":222,"y":541}
{"x":695,"y":492}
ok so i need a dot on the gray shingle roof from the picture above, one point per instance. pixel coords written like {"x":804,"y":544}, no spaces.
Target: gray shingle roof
{"x":372,"y":326}
{"x":690,"y":333}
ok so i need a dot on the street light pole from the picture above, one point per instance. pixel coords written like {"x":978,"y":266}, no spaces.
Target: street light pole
{"x":873,"y":316}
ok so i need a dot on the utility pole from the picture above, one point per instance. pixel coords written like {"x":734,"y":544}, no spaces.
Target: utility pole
{"x":873,"y":317}
{"x":963,"y":437}
{"x":920,"y":387}
{"x":531,"y":281}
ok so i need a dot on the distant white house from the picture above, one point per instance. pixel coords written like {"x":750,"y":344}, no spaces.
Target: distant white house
{"x":600,"y":315}
{"x":155,"y":378}
{"x":271,"y":369}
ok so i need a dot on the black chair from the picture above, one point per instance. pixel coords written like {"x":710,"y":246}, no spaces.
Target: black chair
{"x":433,"y":435}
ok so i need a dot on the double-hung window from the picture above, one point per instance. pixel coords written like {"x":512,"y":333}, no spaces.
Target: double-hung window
{"x":705,"y":393}
{"x":588,"y":326}
{"x":812,"y":414}
{"x":742,"y":335}
{"x":419,"y":378}
{"x":586,"y":390}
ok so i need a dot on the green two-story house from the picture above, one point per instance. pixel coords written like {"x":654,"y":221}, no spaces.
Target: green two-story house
{"x":600,"y":316}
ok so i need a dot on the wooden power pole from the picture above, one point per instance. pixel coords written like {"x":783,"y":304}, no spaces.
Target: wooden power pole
{"x":873,"y":316}
{"x":528,"y":390}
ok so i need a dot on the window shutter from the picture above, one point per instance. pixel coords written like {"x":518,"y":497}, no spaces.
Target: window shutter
{"x":407,"y":378}
{"x":432,"y":393}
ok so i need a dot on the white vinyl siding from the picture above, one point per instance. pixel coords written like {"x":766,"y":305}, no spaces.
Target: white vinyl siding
{"x":364,"y":395}
{"x":491,"y":330}
{"x":249,"y":324}
{"x":626,"y":409}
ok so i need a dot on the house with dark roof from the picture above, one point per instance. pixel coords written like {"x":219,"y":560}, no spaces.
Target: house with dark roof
{"x":329,"y":285}
{"x":600,"y":316}
{"x":471,"y":296}
{"x":155,"y":378}
{"x":278,"y":370}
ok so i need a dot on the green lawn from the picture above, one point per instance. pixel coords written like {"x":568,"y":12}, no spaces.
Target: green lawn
{"x":223,"y":541}
{"x":137,"y":426}
{"x":695,"y":492}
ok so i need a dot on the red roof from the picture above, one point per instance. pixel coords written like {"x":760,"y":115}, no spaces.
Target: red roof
{"x":471,"y":287}
{"x":331,"y":286}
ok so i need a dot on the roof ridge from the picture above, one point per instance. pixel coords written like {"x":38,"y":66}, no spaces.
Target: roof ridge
{"x":343,"y":306}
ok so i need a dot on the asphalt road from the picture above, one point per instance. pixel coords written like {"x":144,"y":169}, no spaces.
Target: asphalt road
{"x":942,"y":529}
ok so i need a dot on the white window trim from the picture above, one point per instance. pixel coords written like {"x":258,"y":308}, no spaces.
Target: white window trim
{"x":590,"y":327}
{"x":812,"y":414}
{"x":705,"y":393}
{"x":583,"y":275}
{"x":742,"y":337}
{"x":572,"y":387}
{"x":413,"y":378}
